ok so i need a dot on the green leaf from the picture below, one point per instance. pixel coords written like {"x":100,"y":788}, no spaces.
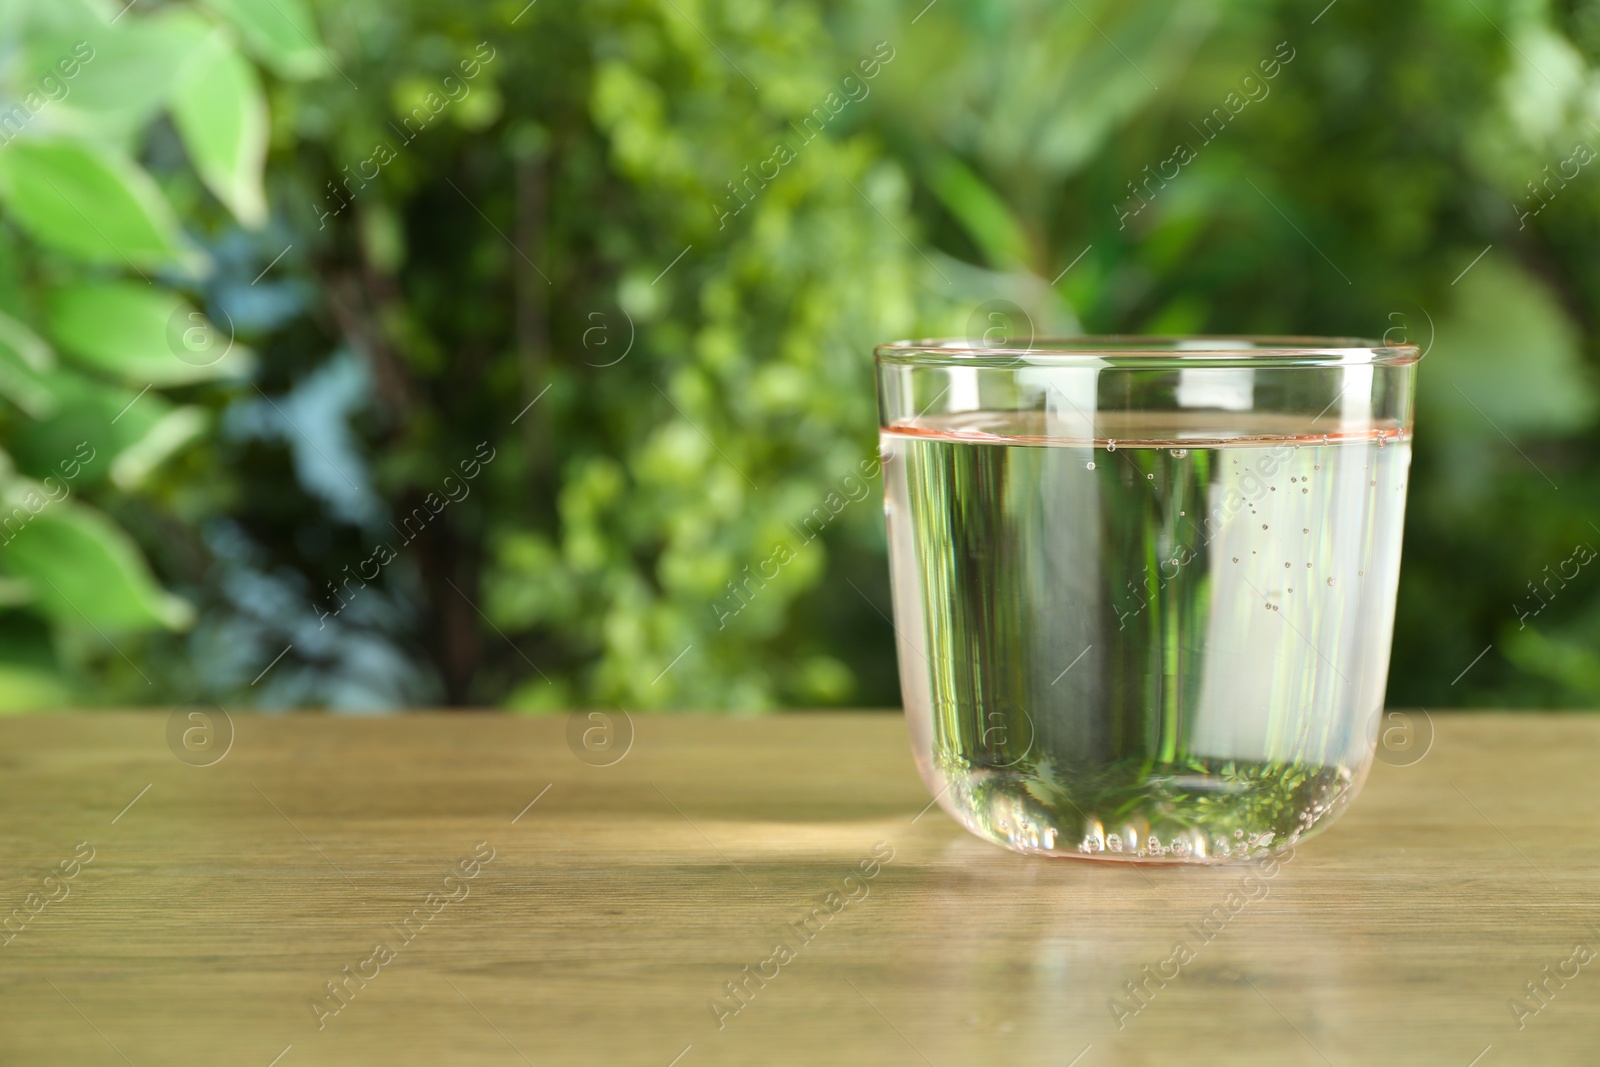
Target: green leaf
{"x":168,"y":434}
{"x":88,"y":201}
{"x":60,"y":17}
{"x":25,"y":344}
{"x":23,"y":355}
{"x":29,"y":679}
{"x":94,"y":421}
{"x":1565,"y":659}
{"x":111,"y":79}
{"x":81,"y":566}
{"x":26,"y":689}
{"x":221,"y":111}
{"x":280,"y":32}
{"x":142,"y":335}
{"x":1507,"y":360}
{"x":20,"y":385}
{"x":982,"y":213}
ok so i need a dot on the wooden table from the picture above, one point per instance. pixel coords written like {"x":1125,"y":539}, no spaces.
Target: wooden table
{"x":620,"y":900}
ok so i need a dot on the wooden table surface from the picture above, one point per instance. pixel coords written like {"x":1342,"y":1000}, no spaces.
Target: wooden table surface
{"x":198,"y":913}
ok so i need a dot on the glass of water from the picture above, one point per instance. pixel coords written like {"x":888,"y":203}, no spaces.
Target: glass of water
{"x":1144,"y":587}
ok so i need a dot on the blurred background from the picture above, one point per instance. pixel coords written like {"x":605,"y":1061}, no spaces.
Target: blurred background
{"x":361,"y":355}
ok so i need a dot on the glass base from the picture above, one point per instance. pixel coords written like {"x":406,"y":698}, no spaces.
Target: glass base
{"x":1193,"y":811}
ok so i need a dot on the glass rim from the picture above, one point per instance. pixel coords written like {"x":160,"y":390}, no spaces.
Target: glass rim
{"x":1154,"y":351}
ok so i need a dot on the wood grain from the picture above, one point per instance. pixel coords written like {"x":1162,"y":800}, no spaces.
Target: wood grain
{"x":617,"y":906}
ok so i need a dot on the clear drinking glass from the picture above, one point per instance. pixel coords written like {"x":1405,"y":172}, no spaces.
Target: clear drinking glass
{"x":1144,"y":586}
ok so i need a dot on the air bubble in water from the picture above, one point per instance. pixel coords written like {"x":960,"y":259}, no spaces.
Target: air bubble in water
{"x":1111,"y":446}
{"x":1150,"y":477}
{"x":1236,"y":559}
{"x":1330,"y":583}
{"x":1091,"y":464}
{"x":1179,"y":453}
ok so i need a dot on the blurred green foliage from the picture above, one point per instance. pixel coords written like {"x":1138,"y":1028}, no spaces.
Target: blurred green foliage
{"x":488,"y":343}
